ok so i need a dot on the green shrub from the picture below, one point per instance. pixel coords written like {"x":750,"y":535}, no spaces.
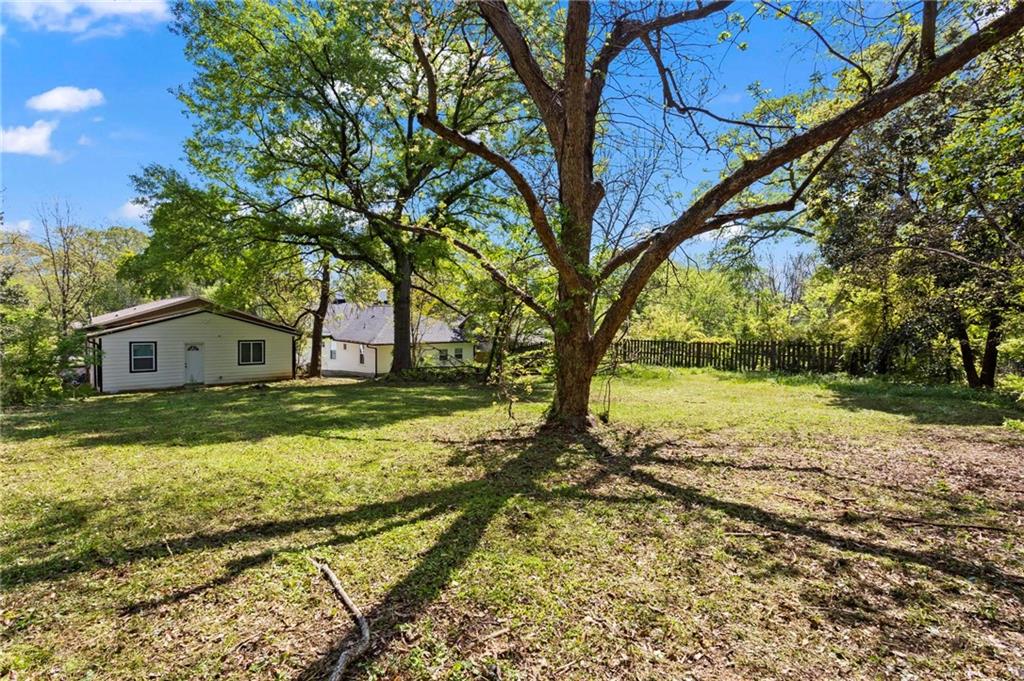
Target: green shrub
{"x":463,"y":374}
{"x":35,"y":356}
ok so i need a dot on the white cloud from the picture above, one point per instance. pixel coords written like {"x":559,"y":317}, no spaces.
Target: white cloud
{"x":33,"y":140}
{"x":724,"y":233}
{"x":130,"y":210}
{"x":85,"y":141}
{"x":66,"y":98}
{"x":19,"y":226}
{"x":88,"y":18}
{"x":729,"y":98}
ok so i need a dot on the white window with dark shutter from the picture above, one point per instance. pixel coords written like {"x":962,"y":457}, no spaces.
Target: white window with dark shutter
{"x":251,"y":352}
{"x":142,"y":356}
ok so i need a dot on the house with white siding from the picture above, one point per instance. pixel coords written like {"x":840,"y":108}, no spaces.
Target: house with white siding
{"x":359,"y":341}
{"x":186,"y":341}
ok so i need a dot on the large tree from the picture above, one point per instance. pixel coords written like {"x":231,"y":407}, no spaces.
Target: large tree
{"x":308,"y":109}
{"x":591,"y":73}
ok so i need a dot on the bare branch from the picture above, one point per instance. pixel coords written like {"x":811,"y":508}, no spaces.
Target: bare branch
{"x":867,"y":110}
{"x":626,"y":31}
{"x":779,"y":206}
{"x":672,"y":102}
{"x":360,"y":646}
{"x":828,"y":46}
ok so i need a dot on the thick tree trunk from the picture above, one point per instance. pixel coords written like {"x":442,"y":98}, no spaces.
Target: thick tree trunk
{"x":987,"y":379}
{"x":570,"y":408}
{"x":317,"y":342}
{"x":402,"y":290}
{"x":966,"y":351}
{"x":575,"y":366}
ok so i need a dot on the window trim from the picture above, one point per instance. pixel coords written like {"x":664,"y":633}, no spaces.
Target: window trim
{"x":459,"y":354}
{"x":131,"y":357}
{"x":263,"y":357}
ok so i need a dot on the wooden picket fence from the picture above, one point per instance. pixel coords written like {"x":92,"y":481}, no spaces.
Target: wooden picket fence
{"x":786,"y":356}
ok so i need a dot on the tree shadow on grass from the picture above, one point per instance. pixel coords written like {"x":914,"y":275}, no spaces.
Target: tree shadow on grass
{"x":211,"y":416}
{"x":514,"y":467}
{"x":627,"y":459}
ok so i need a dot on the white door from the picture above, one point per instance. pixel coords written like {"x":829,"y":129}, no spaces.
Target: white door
{"x":193,"y":362}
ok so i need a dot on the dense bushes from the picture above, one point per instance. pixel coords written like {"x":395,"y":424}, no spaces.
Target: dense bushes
{"x":37,"y":362}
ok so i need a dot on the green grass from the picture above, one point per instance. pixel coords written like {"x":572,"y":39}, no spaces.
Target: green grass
{"x":723,"y":526}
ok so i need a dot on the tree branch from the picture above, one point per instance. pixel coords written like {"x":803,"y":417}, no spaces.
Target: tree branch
{"x":869,"y":109}
{"x":633,"y":252}
{"x":929,"y":17}
{"x":538,"y":218}
{"x":671,"y":102}
{"x":491,"y":269}
{"x":778,"y":206}
{"x":548,"y":101}
{"x":828,"y":46}
{"x":439,"y":299}
{"x":626,"y":31}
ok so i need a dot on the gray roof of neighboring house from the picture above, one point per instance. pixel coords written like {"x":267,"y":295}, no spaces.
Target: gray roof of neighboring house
{"x":375,"y":325}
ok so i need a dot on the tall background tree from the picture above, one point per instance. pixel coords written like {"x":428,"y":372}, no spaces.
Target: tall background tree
{"x":305,"y":125}
{"x":926,"y":208}
{"x":573,"y":62}
{"x":51,"y":281}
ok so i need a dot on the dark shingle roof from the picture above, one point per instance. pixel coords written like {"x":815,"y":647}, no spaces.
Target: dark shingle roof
{"x":375,"y":325}
{"x":170,"y":308}
{"x":145,"y":309}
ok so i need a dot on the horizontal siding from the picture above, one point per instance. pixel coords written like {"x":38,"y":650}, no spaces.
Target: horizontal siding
{"x":428,"y":354}
{"x":219,"y":336}
{"x":347,"y":358}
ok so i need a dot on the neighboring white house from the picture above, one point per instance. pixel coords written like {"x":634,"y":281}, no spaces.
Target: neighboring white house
{"x":184,"y":341}
{"x":359,"y":340}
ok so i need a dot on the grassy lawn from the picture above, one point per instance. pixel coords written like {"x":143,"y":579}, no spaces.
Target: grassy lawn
{"x":721,"y":527}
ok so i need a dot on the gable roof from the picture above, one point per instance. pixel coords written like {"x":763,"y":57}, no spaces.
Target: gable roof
{"x":137,"y":312}
{"x":167,"y":309}
{"x":375,"y":325}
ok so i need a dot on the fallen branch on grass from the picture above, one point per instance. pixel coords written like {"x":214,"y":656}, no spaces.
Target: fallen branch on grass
{"x":360,"y":646}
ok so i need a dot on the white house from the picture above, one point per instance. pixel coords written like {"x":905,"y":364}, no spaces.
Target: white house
{"x":359,"y":341}
{"x":184,"y":341}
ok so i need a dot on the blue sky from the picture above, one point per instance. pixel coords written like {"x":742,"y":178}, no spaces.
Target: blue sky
{"x":86,"y":100}
{"x":86,"y":103}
